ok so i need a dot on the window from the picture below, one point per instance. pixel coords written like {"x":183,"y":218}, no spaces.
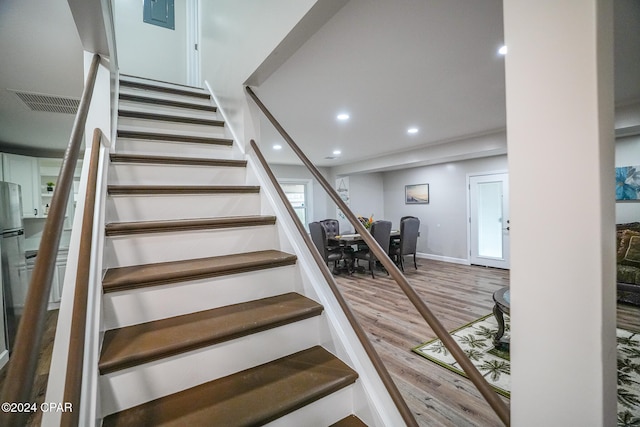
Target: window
{"x":298,"y":194}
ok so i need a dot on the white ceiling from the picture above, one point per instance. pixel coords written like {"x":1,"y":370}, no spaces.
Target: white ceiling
{"x":432,"y":64}
{"x":391,"y":65}
{"x":41,"y":53}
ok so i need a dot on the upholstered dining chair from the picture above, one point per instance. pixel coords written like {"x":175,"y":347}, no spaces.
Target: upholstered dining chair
{"x":381,"y":231}
{"x":332,"y":227}
{"x":319,"y":237}
{"x":409,"y":229}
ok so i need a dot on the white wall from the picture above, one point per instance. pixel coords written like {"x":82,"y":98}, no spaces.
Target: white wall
{"x":366,"y":194}
{"x":559,"y":97}
{"x":443,"y":222}
{"x":234,"y":42}
{"x":148,"y":50}
{"x":627,"y":154}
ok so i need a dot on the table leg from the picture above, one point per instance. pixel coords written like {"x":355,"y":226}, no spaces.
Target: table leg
{"x":500,"y":318}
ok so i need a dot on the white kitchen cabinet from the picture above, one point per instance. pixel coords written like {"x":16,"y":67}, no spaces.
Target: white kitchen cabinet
{"x":57,"y":280}
{"x":23,"y":170}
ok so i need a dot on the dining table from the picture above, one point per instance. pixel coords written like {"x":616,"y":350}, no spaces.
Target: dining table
{"x":356,"y":239}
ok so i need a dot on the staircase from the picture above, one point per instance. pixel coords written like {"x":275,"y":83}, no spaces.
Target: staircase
{"x":206,"y":320}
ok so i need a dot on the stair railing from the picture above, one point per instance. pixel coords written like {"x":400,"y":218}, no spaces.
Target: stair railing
{"x":24,"y":358}
{"x":75,"y":357}
{"x":395,"y":394}
{"x":494,"y":400}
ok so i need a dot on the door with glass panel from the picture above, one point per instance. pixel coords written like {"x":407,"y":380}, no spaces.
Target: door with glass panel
{"x":489,"y":220}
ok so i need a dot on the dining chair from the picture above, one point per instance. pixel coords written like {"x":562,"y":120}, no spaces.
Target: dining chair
{"x":381,"y":231}
{"x":319,"y":238}
{"x":332,"y":227}
{"x":409,"y":229}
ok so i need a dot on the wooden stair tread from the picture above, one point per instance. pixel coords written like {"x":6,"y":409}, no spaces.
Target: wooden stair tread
{"x":181,"y":189}
{"x":252,"y":397}
{"x":174,"y":160}
{"x":154,"y":136}
{"x":133,"y":345}
{"x":167,"y":102}
{"x":187,"y":90}
{"x":137,"y":227}
{"x":169,"y":118}
{"x":350,"y":421}
{"x":118,"y":279}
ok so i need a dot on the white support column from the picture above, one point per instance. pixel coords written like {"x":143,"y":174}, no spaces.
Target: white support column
{"x":559,"y":80}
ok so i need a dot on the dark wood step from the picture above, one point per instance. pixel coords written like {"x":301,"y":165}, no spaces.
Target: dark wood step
{"x":350,"y":421}
{"x":169,"y":118}
{"x":167,"y":102}
{"x":249,"y":398}
{"x":153,"y":136}
{"x":137,"y":276}
{"x":157,"y":88}
{"x":174,"y":160}
{"x":118,"y":190}
{"x":140,"y":227}
{"x":134,"y":345}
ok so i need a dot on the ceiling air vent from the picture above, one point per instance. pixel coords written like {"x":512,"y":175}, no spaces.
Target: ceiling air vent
{"x":329,"y":158}
{"x":48,"y":103}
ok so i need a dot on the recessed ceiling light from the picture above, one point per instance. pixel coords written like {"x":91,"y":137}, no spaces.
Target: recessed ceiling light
{"x":412,"y":130}
{"x":343,"y":116}
{"x":503,"y":50}
{"x":277,"y":147}
{"x":336,"y":152}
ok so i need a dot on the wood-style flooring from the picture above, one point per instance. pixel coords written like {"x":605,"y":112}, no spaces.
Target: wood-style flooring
{"x":42,"y":369}
{"x":457,"y":295}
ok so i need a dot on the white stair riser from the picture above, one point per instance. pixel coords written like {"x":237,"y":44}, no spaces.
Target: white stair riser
{"x":134,"y":386}
{"x":151,"y":248}
{"x":161,"y":125}
{"x":178,"y":148}
{"x":125,"y":208}
{"x":323,"y":412}
{"x":149,"y":174}
{"x":147,"y":107}
{"x":162,"y":95}
{"x":131,"y":307}
{"x":161,"y":84}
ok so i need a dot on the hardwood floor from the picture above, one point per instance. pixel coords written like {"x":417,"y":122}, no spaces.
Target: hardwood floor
{"x":457,"y":295}
{"x":42,"y":369}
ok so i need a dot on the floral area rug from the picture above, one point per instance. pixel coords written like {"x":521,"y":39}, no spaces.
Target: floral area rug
{"x":476,"y":339}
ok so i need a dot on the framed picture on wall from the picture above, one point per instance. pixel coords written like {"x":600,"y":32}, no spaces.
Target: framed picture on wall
{"x":416,"y":194}
{"x":628,"y":183}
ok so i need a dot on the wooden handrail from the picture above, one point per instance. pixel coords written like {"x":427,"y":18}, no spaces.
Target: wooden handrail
{"x":494,"y":400}
{"x":24,"y":359}
{"x":395,"y":394}
{"x":73,"y":381}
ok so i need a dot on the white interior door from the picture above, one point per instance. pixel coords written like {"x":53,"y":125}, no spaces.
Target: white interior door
{"x":193,"y":44}
{"x":489,"y":220}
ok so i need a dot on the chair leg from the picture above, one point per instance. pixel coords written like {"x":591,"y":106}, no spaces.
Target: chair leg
{"x":414,"y":261}
{"x":401,"y":258}
{"x":371,"y":268}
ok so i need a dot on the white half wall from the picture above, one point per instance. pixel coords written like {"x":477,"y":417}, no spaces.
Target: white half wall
{"x":147,"y":50}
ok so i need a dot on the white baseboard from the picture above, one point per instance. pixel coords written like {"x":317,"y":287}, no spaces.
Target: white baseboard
{"x":443,"y":258}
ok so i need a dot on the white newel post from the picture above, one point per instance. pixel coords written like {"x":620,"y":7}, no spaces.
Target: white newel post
{"x":560,"y":138}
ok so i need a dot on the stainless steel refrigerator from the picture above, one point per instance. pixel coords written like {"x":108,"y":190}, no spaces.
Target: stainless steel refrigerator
{"x":13,"y":260}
